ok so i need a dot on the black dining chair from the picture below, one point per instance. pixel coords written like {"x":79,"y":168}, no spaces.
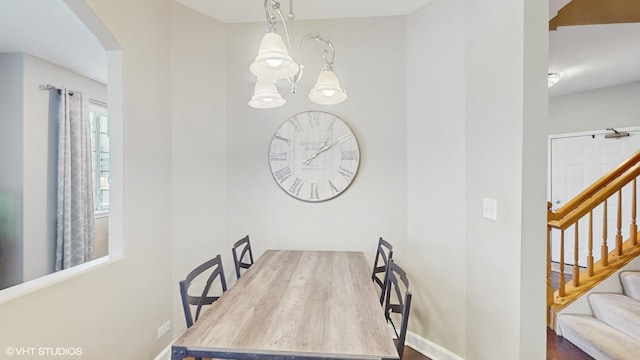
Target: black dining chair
{"x":244,"y":247}
{"x":384,"y":253}
{"x":215,"y":266}
{"x":398,"y":301}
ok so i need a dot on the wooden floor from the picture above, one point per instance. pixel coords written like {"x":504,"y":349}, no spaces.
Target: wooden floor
{"x":557,"y":349}
{"x":410,"y":354}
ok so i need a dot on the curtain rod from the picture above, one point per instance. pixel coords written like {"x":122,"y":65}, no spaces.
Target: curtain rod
{"x":50,"y":87}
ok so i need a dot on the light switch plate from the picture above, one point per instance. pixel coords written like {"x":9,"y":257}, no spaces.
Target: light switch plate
{"x":490,"y":209}
{"x":164,"y":329}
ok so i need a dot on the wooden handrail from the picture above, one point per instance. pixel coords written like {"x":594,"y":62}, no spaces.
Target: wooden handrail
{"x":577,"y":210}
{"x":597,"y":194}
{"x":590,"y":191}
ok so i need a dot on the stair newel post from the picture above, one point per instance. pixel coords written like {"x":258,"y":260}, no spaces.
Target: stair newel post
{"x":633,"y":231}
{"x":604,"y":253}
{"x":561,"y":280}
{"x":576,"y":268}
{"x":590,"y":255}
{"x":549,"y":284}
{"x":619,"y":225}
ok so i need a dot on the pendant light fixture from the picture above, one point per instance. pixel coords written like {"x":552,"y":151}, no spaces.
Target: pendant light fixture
{"x":274,"y":63}
{"x":554,"y":78}
{"x":266,"y":96}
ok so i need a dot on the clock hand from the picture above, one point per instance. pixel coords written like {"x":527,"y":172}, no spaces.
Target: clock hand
{"x":342,"y":139}
{"x":323,"y":147}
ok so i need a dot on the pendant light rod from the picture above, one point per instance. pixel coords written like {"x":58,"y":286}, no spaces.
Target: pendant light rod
{"x":327,"y":54}
{"x":271,"y":19}
{"x":276,"y":60}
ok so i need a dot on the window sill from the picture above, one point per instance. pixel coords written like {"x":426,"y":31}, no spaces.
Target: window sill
{"x":100,"y":214}
{"x":34,"y":285}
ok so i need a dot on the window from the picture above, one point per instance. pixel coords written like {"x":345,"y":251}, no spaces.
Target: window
{"x":100,"y":154}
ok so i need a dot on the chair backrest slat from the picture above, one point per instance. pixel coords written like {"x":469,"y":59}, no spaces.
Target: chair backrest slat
{"x":384,"y":253}
{"x":398,"y":285}
{"x":244,"y":245}
{"x":203,"y":299}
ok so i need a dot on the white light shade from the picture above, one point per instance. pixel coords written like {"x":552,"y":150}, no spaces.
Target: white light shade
{"x":554,"y":78}
{"x":273,"y":61}
{"x":327,"y":90}
{"x":266,"y":96}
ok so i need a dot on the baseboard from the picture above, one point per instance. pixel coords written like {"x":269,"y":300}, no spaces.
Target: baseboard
{"x":429,"y":349}
{"x":165,"y":354}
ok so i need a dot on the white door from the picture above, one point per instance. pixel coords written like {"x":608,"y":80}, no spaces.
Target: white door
{"x":577,"y":161}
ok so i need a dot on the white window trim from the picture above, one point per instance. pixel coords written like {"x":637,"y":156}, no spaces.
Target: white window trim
{"x":100,"y":108}
{"x":34,"y":285}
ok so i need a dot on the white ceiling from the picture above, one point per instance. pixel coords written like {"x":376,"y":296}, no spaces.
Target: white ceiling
{"x":588,"y":56}
{"x":49,"y":30}
{"x":233,"y":11}
{"x":592,"y":56}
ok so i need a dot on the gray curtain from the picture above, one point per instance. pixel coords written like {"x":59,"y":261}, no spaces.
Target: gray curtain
{"x":75,"y":223}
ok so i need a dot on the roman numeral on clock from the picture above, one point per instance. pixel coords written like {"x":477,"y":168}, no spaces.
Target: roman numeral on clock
{"x":347,"y":174}
{"x":278,"y":156}
{"x":283,"y":174}
{"x":349,"y":155}
{"x":296,"y":186}
{"x":334,"y":189}
{"x":282,"y":138}
{"x":313,"y":191}
{"x":296,"y":124}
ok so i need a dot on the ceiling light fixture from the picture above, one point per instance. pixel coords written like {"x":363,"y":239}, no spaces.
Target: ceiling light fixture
{"x":274,"y":63}
{"x":554,"y":78}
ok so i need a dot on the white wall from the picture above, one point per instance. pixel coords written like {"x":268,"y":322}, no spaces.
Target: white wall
{"x":223,"y":190}
{"x":480,"y":281}
{"x":436,"y":173}
{"x":370,"y":64}
{"x":198,"y":57}
{"x":505,"y":160}
{"x":114,"y":311}
{"x":615,"y":106}
{"x":533,"y":253}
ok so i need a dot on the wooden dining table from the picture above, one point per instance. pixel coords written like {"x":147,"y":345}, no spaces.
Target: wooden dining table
{"x":294,"y":305}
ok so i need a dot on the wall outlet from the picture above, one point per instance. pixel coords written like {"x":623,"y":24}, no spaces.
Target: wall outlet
{"x":490,"y":209}
{"x":164,"y":329}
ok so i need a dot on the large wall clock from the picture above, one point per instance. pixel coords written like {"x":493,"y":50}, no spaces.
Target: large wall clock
{"x":314,"y":156}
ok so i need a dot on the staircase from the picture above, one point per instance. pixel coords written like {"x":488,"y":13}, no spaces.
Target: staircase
{"x":574,"y":224}
{"x":601,"y":319}
{"x":612,"y":332}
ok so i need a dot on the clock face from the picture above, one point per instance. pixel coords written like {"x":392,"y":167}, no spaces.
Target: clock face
{"x":314,"y":156}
